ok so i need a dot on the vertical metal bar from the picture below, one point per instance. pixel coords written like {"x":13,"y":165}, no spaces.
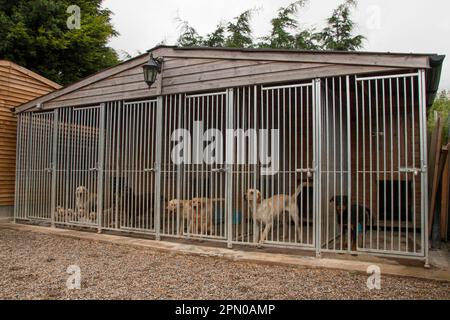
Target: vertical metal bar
{"x":100,"y":172}
{"x":399,"y":176}
{"x":383,"y":94}
{"x":378,"y":163}
{"x":317,"y":146}
{"x":54,"y":164}
{"x":18,"y":167}
{"x":327,"y":133}
{"x":413,"y":133}
{"x":371,"y":164}
{"x":357,"y":159}
{"x":357,"y":162}
{"x":349,"y":161}
{"x":391,"y":155}
{"x":364,"y":169}
{"x":229,"y":168}
{"x":424,"y":180}
{"x":157,"y":195}
{"x":405,"y":123}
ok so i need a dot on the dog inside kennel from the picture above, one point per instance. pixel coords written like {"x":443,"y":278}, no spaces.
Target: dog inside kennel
{"x":329,"y":163}
{"x":371,"y":188}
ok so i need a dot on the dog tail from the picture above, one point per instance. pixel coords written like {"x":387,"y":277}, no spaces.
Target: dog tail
{"x":299,"y":189}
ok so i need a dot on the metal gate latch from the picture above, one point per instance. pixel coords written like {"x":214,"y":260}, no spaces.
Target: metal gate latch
{"x":308,"y":171}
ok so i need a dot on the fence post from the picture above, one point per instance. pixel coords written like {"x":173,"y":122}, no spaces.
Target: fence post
{"x":101,"y":156}
{"x":54,"y":164}
{"x":229,"y":154}
{"x":317,"y":165}
{"x":157,"y":167}
{"x":424,"y":164}
{"x":349,"y":162}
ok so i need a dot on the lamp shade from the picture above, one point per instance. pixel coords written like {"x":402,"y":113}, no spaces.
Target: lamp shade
{"x":151,"y":70}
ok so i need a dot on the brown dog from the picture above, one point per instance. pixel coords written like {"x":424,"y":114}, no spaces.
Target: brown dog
{"x":202,"y":214}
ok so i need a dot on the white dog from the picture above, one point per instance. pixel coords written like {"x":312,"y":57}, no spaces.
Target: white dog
{"x":85,"y":202}
{"x":184,"y":209}
{"x":268,"y":209}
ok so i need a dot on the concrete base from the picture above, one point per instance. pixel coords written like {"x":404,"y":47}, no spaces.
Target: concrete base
{"x":439,"y":271}
{"x":6,"y":213}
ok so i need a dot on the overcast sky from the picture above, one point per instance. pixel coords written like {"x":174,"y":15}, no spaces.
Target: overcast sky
{"x":418,"y":26}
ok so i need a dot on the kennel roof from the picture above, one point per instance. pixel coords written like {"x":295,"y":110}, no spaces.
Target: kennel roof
{"x":203,"y":69}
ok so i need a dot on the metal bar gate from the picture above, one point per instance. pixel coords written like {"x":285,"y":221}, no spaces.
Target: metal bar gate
{"x":330,"y":165}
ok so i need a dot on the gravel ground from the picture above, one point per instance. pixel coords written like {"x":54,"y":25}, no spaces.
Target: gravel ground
{"x":33,"y":266}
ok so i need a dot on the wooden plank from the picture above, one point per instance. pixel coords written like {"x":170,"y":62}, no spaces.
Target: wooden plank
{"x":445,"y":195}
{"x":31,"y":74}
{"x":252,"y":70}
{"x":84,"y":82}
{"x":211,"y":66}
{"x":274,"y":78}
{"x":137,"y":75}
{"x":366,"y":59}
{"x":86,"y":94}
{"x":128,"y":95}
{"x":352,"y":60}
{"x":25,"y":81}
{"x":141,"y":91}
{"x":434,"y":164}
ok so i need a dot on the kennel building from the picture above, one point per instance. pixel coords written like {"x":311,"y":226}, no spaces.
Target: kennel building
{"x":333,"y":142}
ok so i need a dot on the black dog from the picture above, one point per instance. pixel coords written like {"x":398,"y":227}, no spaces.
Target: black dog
{"x":359,"y":215}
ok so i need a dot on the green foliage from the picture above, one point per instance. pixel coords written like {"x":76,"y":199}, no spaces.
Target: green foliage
{"x":441,"y":105}
{"x":240,"y":32}
{"x":34,"y":34}
{"x":285,"y":32}
{"x":338,"y":35}
{"x":188,"y":36}
{"x":216,"y":38}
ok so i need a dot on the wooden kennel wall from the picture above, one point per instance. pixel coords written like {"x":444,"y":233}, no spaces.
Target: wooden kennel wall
{"x":17,"y":86}
{"x":113,"y":138}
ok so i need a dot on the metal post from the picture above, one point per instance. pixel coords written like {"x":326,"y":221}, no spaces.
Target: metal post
{"x":423,"y":153}
{"x":317,"y":106}
{"x":100,"y":171}
{"x":54,"y":164}
{"x":157,"y":167}
{"x":349,"y":159}
{"x":18,"y":175}
{"x":229,"y":167}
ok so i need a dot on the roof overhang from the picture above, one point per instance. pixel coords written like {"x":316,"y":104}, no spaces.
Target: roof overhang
{"x":431,"y":62}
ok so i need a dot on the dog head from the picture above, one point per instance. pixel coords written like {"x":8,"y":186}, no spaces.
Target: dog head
{"x":340,"y":203}
{"x":198,"y":203}
{"x":81,"y":192}
{"x":252,"y":195}
{"x":173,"y":205}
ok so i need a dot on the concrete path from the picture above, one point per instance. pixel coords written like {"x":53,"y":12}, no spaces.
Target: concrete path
{"x":439,"y":270}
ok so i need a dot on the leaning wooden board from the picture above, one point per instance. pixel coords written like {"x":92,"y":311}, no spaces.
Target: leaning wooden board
{"x":433,"y":158}
{"x":445,"y":194}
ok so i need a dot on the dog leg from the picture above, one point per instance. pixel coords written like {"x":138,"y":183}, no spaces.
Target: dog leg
{"x":265,"y":233}
{"x":294,"y":216}
{"x":257,"y":235}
